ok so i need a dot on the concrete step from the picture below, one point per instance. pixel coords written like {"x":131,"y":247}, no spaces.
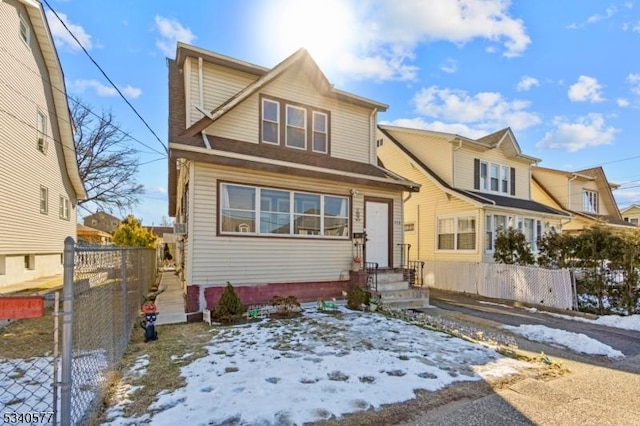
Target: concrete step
{"x":393,"y":286}
{"x":406,"y":303}
{"x":410,"y":293}
{"x":389,"y":276}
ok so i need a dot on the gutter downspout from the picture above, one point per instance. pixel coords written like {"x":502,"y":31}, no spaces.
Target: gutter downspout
{"x":205,"y":139}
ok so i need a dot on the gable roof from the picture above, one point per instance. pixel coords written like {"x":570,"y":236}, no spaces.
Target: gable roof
{"x":56,"y":79}
{"x":631,"y":207}
{"x":496,"y":139}
{"x":300,"y":58}
{"x":478,"y":198}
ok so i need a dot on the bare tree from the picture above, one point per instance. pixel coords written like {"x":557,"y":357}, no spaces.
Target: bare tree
{"x":108,"y":164}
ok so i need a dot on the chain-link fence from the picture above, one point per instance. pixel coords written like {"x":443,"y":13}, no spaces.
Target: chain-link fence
{"x":108,"y":286}
{"x":28,"y":362}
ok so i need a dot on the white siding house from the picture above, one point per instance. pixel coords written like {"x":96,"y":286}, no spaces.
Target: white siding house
{"x":271,"y":173}
{"x":39,"y":180}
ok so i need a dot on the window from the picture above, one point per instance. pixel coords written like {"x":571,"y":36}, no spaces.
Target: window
{"x":270,"y":122}
{"x":41,"y":126}
{"x":94,"y":222}
{"x":277,"y":212}
{"x":494,"y":177}
{"x":301,"y":127}
{"x":457,"y":233}
{"x":25,"y":31}
{"x":532,"y":229}
{"x":296,"y":135}
{"x":633,"y":220}
{"x":44,"y":200}
{"x":320,"y":132}
{"x":589,"y":201}
{"x":29,"y":262}
{"x":64,"y":208}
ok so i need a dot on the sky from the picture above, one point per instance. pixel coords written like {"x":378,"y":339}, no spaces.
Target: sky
{"x":565,"y":76}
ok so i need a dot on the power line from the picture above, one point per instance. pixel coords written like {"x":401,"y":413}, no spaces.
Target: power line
{"x":106,"y":76}
{"x":76,"y":101}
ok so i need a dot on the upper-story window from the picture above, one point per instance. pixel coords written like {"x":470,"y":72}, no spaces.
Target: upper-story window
{"x":44,"y":200}
{"x":25,"y":31}
{"x":589,"y":201}
{"x":41,"y":126}
{"x":296,"y":135}
{"x":270,"y":121}
{"x":294,"y":126}
{"x":320,"y":132}
{"x":64,"y":208}
{"x":492,"y":177}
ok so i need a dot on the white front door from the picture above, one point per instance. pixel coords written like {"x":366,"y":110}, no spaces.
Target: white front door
{"x":377,"y":227}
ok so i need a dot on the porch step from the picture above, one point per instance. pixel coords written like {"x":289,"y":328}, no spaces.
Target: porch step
{"x":390,"y":276}
{"x":405,"y":299}
{"x":393,"y":285}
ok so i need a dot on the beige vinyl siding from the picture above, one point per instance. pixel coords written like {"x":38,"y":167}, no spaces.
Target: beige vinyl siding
{"x":433,"y":150}
{"x":23,"y":169}
{"x":577,"y":189}
{"x":424,"y":207}
{"x":464,"y":169}
{"x":555,"y":184}
{"x":350,"y":125}
{"x":537,"y":194}
{"x":218,"y":85}
{"x":259,"y":260}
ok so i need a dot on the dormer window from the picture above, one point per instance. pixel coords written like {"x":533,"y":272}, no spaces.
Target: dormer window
{"x":296,"y":126}
{"x":589,"y":201}
{"x":492,"y":177}
{"x":25,"y":31}
{"x":296,"y":136}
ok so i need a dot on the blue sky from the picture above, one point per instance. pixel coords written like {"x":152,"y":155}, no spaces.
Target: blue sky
{"x":565,"y":76}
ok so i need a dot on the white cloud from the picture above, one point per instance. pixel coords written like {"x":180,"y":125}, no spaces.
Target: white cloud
{"x":105,"y":91}
{"x":527,"y":83}
{"x":62,"y":37}
{"x":586,"y":131}
{"x":622,"y":102}
{"x":597,"y":17}
{"x":377,"y":39}
{"x":587,"y":89}
{"x":449,"y":66}
{"x":439,"y":126}
{"x":488,"y":110}
{"x":634,"y":81}
{"x":171,"y":32}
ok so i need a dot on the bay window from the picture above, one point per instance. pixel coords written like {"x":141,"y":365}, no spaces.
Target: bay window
{"x":278,"y":212}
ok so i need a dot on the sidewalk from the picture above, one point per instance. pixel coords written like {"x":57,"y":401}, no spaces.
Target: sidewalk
{"x":170,"y":302}
{"x":40,"y":285}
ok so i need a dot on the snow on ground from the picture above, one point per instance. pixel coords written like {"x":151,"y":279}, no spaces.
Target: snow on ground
{"x":631,"y":322}
{"x":577,"y":342}
{"x":315,"y":367}
{"x":482,"y":302}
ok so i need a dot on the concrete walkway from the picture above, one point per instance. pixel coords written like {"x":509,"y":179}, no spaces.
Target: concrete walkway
{"x":40,"y":285}
{"x":171,"y":301}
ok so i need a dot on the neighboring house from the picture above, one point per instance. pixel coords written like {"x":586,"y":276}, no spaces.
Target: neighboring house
{"x":586,"y":194}
{"x":271,"y":173}
{"x":40,"y":184}
{"x":631,"y":214}
{"x":93,"y":237}
{"x":102,"y":221}
{"x":470,"y":189}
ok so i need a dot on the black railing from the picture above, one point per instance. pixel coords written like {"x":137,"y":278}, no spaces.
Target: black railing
{"x":371,"y":268}
{"x":414,"y":273}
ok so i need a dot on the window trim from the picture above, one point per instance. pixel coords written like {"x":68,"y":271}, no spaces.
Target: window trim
{"x":65,"y":208}
{"x":593,"y":199}
{"x":516,"y":222}
{"x":456,"y":218}
{"x":24,"y":23}
{"x":263,"y":119}
{"x":44,"y":200}
{"x":504,"y":174}
{"x":305,"y":127}
{"x":292,"y":214}
{"x":282,"y":125}
{"x":325,"y":132}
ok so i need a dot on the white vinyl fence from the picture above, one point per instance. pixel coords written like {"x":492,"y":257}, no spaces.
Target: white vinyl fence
{"x":527,"y":284}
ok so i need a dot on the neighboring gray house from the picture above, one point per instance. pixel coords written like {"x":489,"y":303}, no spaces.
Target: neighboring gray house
{"x":103,"y":221}
{"x":40,"y":184}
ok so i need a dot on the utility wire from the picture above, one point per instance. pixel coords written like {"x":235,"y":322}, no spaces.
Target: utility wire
{"x":106,"y":76}
{"x":76,"y":101}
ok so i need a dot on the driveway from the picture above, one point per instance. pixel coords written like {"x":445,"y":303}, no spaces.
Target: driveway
{"x":496,"y":314}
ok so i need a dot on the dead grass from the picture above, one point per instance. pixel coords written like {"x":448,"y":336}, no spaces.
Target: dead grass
{"x":28,"y":337}
{"x":177,"y":345}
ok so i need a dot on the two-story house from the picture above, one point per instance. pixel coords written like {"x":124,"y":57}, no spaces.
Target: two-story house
{"x":631,"y":214}
{"x":586,"y":194}
{"x":470,"y":190}
{"x":39,"y":180}
{"x":273,"y":177}
{"x":103,"y":221}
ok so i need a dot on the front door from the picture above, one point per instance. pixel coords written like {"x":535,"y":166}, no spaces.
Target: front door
{"x":376,"y":222}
